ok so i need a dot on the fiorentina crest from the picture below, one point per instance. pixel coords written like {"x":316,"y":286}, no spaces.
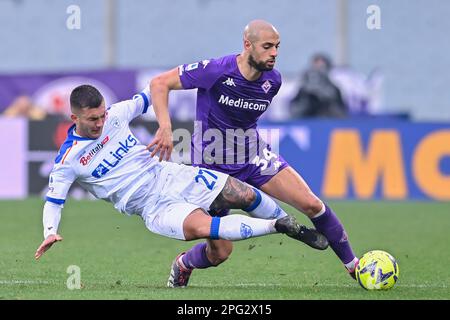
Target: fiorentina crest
{"x":266,"y":86}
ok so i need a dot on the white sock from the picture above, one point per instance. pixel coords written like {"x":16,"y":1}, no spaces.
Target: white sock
{"x":352,"y":264}
{"x":238,"y":227}
{"x":321,"y":212}
{"x":180,"y":261}
{"x":265,"y":207}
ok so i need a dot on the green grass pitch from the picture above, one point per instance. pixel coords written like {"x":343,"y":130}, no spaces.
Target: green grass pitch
{"x":120,"y":259}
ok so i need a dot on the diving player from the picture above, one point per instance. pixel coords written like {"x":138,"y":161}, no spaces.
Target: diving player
{"x":106,"y":159}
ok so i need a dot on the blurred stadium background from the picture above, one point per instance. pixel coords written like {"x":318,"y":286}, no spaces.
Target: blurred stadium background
{"x":392,"y":147}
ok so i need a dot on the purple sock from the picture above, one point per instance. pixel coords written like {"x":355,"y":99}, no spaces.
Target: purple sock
{"x":329,"y":225}
{"x":196,"y":257}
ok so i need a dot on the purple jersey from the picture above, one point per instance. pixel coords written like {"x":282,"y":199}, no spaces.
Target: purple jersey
{"x":226,"y":102}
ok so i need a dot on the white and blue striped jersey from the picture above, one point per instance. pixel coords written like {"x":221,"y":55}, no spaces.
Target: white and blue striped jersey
{"x":111,"y":167}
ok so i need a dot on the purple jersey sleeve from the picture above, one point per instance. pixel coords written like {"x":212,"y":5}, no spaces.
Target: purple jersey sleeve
{"x":201,"y":74}
{"x":279,"y":82}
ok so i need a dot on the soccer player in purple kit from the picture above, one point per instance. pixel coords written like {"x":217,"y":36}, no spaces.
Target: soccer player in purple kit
{"x":233,"y":92}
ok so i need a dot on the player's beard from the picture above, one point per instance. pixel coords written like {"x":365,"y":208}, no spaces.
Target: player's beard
{"x":260,"y":66}
{"x":87,"y":132}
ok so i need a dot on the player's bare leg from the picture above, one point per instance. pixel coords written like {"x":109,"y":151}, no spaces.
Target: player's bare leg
{"x":289,"y":187}
{"x":235,"y":195}
{"x":238,"y":195}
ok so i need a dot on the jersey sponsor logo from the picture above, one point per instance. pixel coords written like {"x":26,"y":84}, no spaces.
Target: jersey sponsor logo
{"x":85,"y":159}
{"x":100,"y":171}
{"x":117,"y":155}
{"x":266,"y":86}
{"x":191,"y":66}
{"x":229,"y":82}
{"x":251,"y":104}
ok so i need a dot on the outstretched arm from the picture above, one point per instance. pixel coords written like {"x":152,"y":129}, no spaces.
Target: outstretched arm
{"x":50,"y":220}
{"x":159,"y":89}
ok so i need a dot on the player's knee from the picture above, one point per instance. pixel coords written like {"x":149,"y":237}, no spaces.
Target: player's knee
{"x":311,"y":206}
{"x":197,"y":232}
{"x":197,"y":225}
{"x":250,"y":197}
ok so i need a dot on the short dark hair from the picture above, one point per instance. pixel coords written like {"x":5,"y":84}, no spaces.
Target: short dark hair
{"x":85,"y":96}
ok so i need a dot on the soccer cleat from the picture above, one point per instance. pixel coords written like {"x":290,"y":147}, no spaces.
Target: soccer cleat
{"x":289,"y":226}
{"x":352,"y":274}
{"x":179,"y":276}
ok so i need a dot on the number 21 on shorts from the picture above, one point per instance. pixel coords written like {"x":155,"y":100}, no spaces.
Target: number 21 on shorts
{"x":207,"y":177}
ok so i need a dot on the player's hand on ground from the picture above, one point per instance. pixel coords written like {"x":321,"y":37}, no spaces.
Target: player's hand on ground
{"x":46,"y":244}
{"x":162,"y":143}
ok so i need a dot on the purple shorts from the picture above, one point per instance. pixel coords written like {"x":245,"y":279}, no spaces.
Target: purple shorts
{"x":255,"y":174}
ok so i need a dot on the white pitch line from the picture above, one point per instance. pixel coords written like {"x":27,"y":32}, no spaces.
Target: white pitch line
{"x":12,"y":282}
{"x":241,"y":285}
{"x":441,"y":286}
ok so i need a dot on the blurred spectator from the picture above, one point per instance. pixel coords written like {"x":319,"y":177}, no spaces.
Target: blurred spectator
{"x":318,"y":96}
{"x":22,"y":106}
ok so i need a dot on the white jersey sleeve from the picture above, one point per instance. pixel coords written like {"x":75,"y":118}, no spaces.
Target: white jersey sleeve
{"x":130,"y":109}
{"x":62,"y":175}
{"x":50,"y":218}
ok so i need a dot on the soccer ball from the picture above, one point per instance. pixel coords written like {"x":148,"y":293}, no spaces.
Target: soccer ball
{"x":377,"y":270}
